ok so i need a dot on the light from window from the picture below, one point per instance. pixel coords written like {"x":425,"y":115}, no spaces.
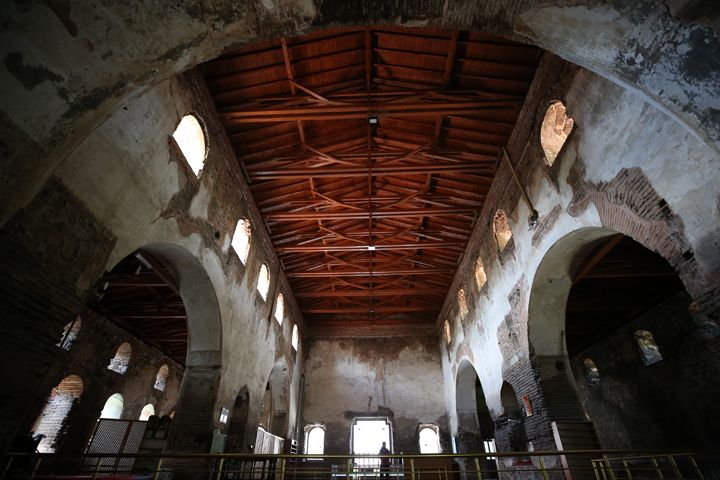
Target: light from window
{"x":70,"y":333}
{"x":501,"y":229}
{"x":263,"y":284}
{"x":161,"y":378}
{"x":649,"y":351}
{"x":52,"y":419}
{"x":490,"y":447}
{"x":113,"y":406}
{"x":592,"y":374}
{"x":480,"y":277}
{"x":556,"y":127}
{"x":121,"y":360}
{"x":462,"y":304}
{"x":295,"y":338}
{"x":279,"y":308}
{"x":224,"y":415}
{"x":448,"y":337}
{"x":315,"y":441}
{"x":241,"y":239}
{"x":429,"y":440}
{"x":147,"y":412}
{"x":190,"y":138}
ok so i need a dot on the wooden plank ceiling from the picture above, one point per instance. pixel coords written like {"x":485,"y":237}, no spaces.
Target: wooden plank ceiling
{"x":370,"y":219}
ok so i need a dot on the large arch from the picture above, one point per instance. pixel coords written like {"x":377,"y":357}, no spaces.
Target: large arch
{"x":474,"y":422}
{"x":55,"y":96}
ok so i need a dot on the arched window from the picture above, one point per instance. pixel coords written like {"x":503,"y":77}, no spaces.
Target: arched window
{"x":649,"y":351}
{"x":279,"y":308}
{"x":462,"y":304}
{"x":58,"y":406}
{"x":592,"y":374}
{"x":314,"y":440}
{"x":190,"y":138}
{"x":161,"y":378}
{"x":509,"y":401}
{"x":147,"y":412}
{"x":263,"y":284}
{"x":429,"y":439}
{"x":70,"y":333}
{"x":241,"y":240}
{"x":295,"y":339}
{"x":448,"y":337}
{"x":480,"y":277}
{"x":556,"y":127}
{"x":501,"y":230}
{"x":121,"y":360}
{"x":113,"y":406}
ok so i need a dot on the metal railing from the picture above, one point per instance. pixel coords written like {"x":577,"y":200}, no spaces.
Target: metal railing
{"x":547,"y":465}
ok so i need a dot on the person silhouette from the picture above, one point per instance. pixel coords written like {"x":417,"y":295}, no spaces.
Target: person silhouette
{"x":384,"y":461}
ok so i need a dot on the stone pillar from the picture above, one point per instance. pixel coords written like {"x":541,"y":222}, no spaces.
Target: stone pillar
{"x":191,"y":430}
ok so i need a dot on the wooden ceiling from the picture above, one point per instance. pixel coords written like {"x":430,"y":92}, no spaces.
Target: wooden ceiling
{"x":369,"y":152}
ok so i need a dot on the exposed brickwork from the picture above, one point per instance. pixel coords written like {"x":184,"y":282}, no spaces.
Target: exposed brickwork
{"x":545,"y":224}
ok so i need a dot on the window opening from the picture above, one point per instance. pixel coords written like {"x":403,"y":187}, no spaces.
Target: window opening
{"x":556,"y":127}
{"x":295,"y":339}
{"x":480,"y":276}
{"x":501,"y":229}
{"x":54,"y":414}
{"x":592,"y":374}
{"x":113,"y":406}
{"x":70,"y":333}
{"x":147,"y":412}
{"x":263,"y":284}
{"x":241,"y":240}
{"x":190,"y":138}
{"x":448,"y":337}
{"x":509,"y":401}
{"x":649,"y":351}
{"x":429,"y":439}
{"x":314,"y":440}
{"x":462,"y":304}
{"x":279,"y":308}
{"x":121,"y":360}
{"x":161,"y":378}
{"x":368,"y":435}
{"x":224,"y":415}
{"x":490,"y":447}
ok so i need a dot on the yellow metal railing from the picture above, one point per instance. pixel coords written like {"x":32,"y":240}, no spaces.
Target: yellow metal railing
{"x":547,"y":465}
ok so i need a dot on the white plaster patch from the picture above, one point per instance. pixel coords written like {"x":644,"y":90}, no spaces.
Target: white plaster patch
{"x":199,"y":204}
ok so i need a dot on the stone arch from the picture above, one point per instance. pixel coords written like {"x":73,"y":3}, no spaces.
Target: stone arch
{"x":474,"y":422}
{"x":239,"y":438}
{"x":54,"y":416}
{"x":277,"y":393}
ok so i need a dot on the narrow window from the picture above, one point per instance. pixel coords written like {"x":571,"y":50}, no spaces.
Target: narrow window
{"x":70,"y":333}
{"x":314,"y":440}
{"x":224,"y":415}
{"x":462,"y":304}
{"x":429,"y":439}
{"x":556,"y":127}
{"x":448,"y":337}
{"x":113,"y":406}
{"x":295,"y":339}
{"x":147,"y":412}
{"x":190,"y":138}
{"x":263,"y":284}
{"x":241,"y":240}
{"x":279,"y":308}
{"x":161,"y":378}
{"x":121,"y":360}
{"x":501,"y":229}
{"x":592,"y":374}
{"x":649,"y":350}
{"x":480,"y":277}
{"x":52,"y":418}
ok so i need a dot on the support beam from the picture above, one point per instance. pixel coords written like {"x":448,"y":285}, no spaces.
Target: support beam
{"x":366,"y":273}
{"x":365,"y":310}
{"x":377,"y":171}
{"x":420,"y":212}
{"x":375,"y":293}
{"x":364,"y":248}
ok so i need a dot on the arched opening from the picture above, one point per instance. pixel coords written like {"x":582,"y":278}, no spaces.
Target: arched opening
{"x":120,"y":362}
{"x":70,"y":333}
{"x":237,"y":429}
{"x":295,"y":338}
{"x":475,"y":427}
{"x":462,"y":304}
{"x":448,"y":332}
{"x":276,"y":400}
{"x":52,"y":420}
{"x":501,"y":230}
{"x":113,"y":407}
{"x":190,"y":138}
{"x":147,"y":412}
{"x":429,"y":439}
{"x":161,"y":378}
{"x":241,"y":239}
{"x":594,"y":290}
{"x":511,"y":435}
{"x":480,"y":276}
{"x":314,"y":439}
{"x":554,"y":131}
{"x":279,"y":309}
{"x":263,"y":283}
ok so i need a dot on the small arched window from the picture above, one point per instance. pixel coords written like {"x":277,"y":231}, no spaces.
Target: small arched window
{"x":480,"y":276}
{"x":448,"y":333}
{"x":649,"y":351}
{"x":429,"y":439}
{"x":263,"y":284}
{"x":161,"y":378}
{"x":70,"y":333}
{"x":556,"y":127}
{"x":295,"y":338}
{"x":113,"y":406}
{"x":315,"y":440}
{"x":501,"y":230}
{"x":592,"y":374}
{"x":241,"y":240}
{"x":121,"y":360}
{"x":462,"y":304}
{"x":509,"y":401}
{"x":147,"y":412}
{"x":279,"y":308}
{"x":52,"y":418}
{"x":190,"y":138}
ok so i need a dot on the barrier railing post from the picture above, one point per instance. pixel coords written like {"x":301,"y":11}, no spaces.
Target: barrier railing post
{"x":7,"y":467}
{"x":542,"y":468}
{"x":348,"y":468}
{"x":412,"y":468}
{"x":595,"y":469}
{"x":608,"y":467}
{"x":35,"y":468}
{"x":96,"y":469}
{"x":477,"y":468}
{"x":678,"y":473}
{"x":218,"y":472}
{"x":696,"y":468}
{"x":657,"y":468}
{"x":158,"y":466}
{"x":627,"y":470}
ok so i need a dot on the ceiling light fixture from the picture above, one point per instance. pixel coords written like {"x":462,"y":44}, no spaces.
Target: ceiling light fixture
{"x":371,"y":248}
{"x":373,"y":120}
